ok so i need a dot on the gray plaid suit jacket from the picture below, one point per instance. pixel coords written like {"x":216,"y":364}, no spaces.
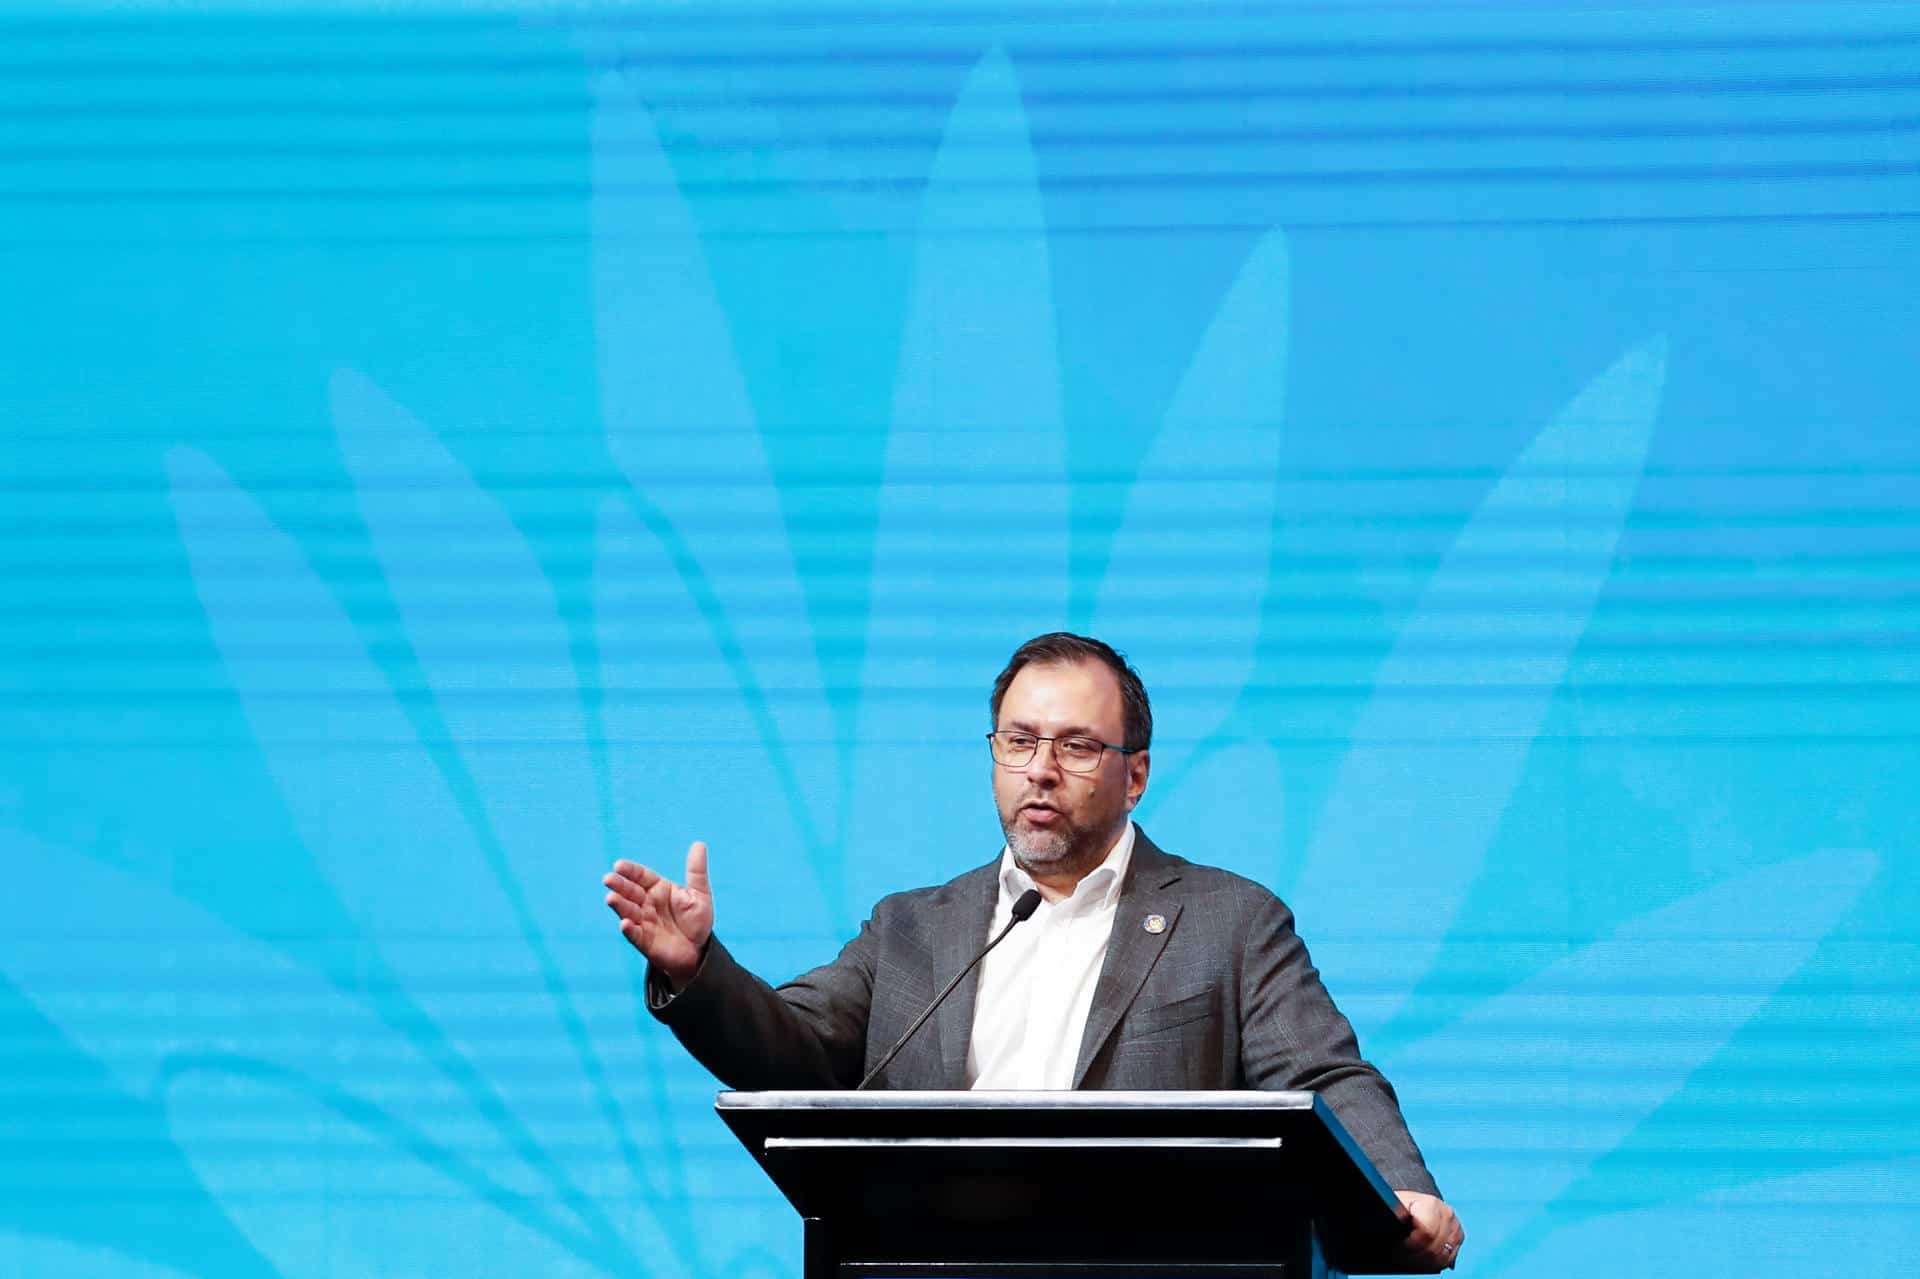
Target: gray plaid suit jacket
{"x":1224,"y":997}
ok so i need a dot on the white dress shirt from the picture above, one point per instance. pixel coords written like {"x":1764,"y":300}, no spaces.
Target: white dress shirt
{"x":1036,"y":988}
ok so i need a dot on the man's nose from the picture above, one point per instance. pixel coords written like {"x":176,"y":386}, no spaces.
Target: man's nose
{"x":1043,"y":763}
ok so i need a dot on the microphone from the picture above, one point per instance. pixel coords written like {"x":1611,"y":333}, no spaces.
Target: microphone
{"x":1023,"y":908}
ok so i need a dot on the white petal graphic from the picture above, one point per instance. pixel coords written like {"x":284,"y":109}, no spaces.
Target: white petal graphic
{"x":973,"y":512}
{"x":1437,"y":773}
{"x":515,"y":718}
{"x":1238,"y":786}
{"x":1191,"y":560}
{"x":682,"y":429}
{"x":39,"y":1257}
{"x":687,"y":759}
{"x":1608,"y":1034}
{"x":1858,"y":1221}
{"x":319,"y":1194}
{"x":133,"y":976}
{"x":377,"y":814}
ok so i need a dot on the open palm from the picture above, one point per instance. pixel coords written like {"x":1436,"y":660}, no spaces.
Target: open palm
{"x":669,"y":923}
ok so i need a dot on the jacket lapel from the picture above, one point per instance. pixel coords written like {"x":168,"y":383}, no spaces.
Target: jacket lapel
{"x":959,"y":931}
{"x":1132,"y":950}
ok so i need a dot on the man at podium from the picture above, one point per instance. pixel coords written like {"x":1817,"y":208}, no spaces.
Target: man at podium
{"x":1113,"y":964}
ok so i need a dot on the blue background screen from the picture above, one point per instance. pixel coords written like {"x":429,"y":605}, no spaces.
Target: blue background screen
{"x":446,"y":448}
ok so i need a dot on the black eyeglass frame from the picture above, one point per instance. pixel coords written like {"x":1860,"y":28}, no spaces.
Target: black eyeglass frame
{"x":993,"y":737}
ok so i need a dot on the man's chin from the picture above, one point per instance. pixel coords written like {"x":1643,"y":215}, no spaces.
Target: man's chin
{"x":1043,"y":851}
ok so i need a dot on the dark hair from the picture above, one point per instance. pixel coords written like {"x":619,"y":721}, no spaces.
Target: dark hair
{"x":1062,"y":648}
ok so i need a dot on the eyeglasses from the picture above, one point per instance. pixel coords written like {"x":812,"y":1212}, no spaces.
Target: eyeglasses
{"x":1074,"y":754}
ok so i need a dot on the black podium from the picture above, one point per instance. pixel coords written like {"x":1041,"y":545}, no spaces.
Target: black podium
{"x":1071,"y":1185}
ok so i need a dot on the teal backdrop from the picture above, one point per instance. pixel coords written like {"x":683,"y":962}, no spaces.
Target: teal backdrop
{"x":445,"y":448}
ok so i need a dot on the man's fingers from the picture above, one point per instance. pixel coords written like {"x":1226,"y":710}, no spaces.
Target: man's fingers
{"x":1436,"y":1235}
{"x":697,"y":869}
{"x":629,"y":911}
{"x":634,"y":871}
{"x":626,"y":886}
{"x":655,"y":912}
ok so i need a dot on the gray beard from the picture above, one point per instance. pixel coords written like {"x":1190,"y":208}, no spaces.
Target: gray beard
{"x":1062,"y":852}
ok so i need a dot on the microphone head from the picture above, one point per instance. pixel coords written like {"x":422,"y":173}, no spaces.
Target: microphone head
{"x":1026,"y":904}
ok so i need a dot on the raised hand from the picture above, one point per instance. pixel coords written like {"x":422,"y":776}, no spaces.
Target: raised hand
{"x":669,"y":923}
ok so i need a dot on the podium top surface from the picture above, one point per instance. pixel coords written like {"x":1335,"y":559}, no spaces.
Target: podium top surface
{"x":1292,"y":1116}
{"x":1300,"y":1121}
{"x":975,"y":1100}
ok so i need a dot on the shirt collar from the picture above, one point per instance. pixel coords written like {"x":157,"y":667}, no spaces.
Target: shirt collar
{"x":1098,"y":887}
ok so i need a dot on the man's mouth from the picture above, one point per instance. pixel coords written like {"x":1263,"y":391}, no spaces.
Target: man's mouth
{"x":1040,"y":814}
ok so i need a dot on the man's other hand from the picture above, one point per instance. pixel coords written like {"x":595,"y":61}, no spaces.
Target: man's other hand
{"x":669,"y":923}
{"x":1434,"y":1243}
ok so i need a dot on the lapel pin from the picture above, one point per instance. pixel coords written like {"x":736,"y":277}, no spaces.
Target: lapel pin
{"x":1155,"y":924}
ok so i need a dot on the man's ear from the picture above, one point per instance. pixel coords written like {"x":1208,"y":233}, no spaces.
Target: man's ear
{"x":1138,"y":766}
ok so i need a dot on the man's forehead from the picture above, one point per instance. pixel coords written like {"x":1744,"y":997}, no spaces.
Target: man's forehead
{"x":1084,"y":692}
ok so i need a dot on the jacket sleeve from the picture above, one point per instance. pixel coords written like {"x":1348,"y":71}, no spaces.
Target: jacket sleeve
{"x":809,"y":1033}
{"x":1292,"y":1037}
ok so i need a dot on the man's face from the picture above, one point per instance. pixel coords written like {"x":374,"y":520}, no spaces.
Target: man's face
{"x":1055,"y":820}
